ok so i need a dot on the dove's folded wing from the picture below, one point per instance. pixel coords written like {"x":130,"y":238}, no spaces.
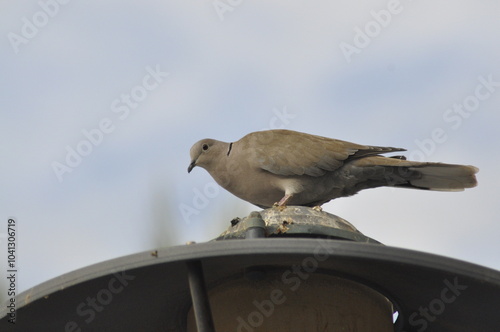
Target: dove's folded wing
{"x":287,"y":153}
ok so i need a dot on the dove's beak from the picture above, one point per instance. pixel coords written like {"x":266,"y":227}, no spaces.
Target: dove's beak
{"x":191,"y":166}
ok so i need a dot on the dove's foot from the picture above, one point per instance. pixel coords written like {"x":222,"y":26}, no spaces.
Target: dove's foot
{"x":318,"y":208}
{"x":281,"y":205}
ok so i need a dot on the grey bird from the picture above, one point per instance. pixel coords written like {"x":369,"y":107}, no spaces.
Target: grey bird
{"x":284,"y":167}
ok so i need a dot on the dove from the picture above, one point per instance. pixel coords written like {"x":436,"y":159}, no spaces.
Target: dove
{"x":283,"y":167}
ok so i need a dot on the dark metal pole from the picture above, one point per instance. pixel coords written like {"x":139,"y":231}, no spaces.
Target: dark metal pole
{"x":199,"y":296}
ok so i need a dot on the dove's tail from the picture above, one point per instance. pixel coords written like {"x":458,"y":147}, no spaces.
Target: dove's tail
{"x":445,"y":177}
{"x":398,"y":172}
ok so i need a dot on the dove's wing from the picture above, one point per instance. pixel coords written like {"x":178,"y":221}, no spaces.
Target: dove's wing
{"x":285,"y":152}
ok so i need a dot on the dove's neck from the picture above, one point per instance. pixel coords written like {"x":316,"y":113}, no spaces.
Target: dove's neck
{"x":218,"y":162}
{"x":225,"y":167}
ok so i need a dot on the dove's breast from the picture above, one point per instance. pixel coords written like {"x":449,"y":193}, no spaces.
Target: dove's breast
{"x":263,"y":188}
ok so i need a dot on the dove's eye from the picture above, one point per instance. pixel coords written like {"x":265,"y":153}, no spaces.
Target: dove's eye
{"x":204,"y":147}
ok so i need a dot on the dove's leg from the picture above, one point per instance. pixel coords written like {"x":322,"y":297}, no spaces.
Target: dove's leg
{"x":283,"y":201}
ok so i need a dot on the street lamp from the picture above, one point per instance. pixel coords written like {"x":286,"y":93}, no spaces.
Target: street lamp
{"x":294,"y":269}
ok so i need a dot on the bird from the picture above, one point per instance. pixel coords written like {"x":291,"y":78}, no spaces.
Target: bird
{"x":283,"y":167}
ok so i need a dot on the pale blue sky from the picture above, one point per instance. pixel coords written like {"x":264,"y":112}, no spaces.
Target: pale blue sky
{"x":228,"y":78}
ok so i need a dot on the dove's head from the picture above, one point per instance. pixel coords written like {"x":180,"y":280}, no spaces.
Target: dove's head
{"x":206,"y":153}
